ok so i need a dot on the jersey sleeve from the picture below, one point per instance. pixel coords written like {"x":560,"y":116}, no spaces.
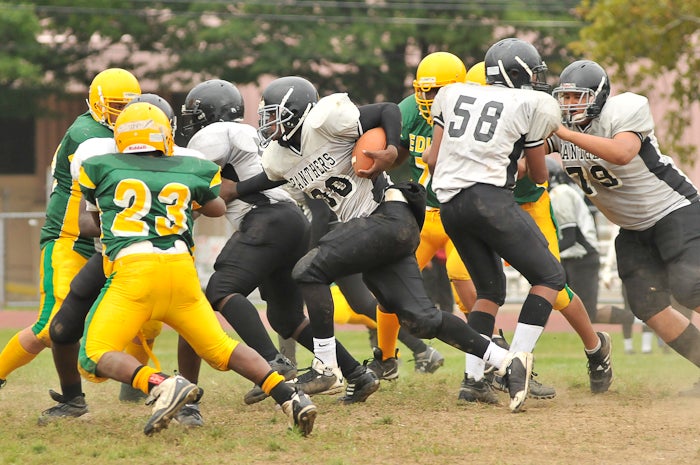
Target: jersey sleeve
{"x":546,"y":118}
{"x":211,"y":172}
{"x":88,"y":149}
{"x":335,"y":116}
{"x":213,"y":142}
{"x":88,"y":179}
{"x":628,"y":112}
{"x":187,"y":152}
{"x":436,"y":108}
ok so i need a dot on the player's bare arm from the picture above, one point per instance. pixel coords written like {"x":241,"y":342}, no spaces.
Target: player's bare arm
{"x":621,"y":149}
{"x":88,"y":221}
{"x":536,"y":165}
{"x":213,"y":208}
{"x":431,"y":153}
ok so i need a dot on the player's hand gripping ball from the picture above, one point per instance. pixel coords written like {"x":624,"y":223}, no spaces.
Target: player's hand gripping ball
{"x":374,"y":139}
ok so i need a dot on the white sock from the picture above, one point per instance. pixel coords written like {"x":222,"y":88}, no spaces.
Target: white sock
{"x":525,"y":337}
{"x":647,"y":338}
{"x":324,"y":350}
{"x":595,"y":349}
{"x":475,"y":367}
{"x":495,"y":355}
{"x":629,"y":346}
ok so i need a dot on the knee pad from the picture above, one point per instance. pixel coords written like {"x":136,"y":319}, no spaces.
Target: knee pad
{"x":645,"y":302}
{"x":305,"y":272}
{"x":284,"y":323}
{"x":426,"y":327}
{"x":68,"y":324}
{"x":686,"y":290}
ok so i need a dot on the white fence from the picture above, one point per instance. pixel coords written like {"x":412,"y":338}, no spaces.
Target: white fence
{"x":19,"y":261}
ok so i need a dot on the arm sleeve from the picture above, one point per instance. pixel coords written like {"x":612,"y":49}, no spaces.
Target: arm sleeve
{"x":386,"y":115}
{"x":257,"y":183}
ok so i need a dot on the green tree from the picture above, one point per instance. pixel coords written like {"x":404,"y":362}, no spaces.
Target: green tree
{"x":20,"y":54}
{"x":643,"y":40}
{"x":367,"y":48}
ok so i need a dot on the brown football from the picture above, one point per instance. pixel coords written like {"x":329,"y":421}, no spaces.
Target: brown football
{"x":374,"y":139}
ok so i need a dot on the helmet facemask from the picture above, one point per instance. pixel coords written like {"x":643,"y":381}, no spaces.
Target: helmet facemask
{"x":582,"y":92}
{"x":534,"y":78}
{"x":423,"y":100}
{"x":574,"y":103}
{"x":109,"y":93}
{"x":277,"y":122}
{"x":191,"y":119}
{"x":211,"y":101}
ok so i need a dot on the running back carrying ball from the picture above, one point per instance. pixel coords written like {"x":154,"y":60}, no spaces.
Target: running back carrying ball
{"x":374,"y":139}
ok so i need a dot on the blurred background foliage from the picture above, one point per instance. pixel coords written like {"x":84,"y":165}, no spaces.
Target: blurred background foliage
{"x":368,"y":48}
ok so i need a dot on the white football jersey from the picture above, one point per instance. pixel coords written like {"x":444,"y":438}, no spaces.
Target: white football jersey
{"x":236,"y":145}
{"x":636,"y":195}
{"x":486,"y":129}
{"x":324,"y":168}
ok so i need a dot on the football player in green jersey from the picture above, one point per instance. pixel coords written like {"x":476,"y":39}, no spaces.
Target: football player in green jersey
{"x":64,"y":250}
{"x":146,"y":198}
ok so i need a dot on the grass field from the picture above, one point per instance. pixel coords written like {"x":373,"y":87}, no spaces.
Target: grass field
{"x":415,"y":420}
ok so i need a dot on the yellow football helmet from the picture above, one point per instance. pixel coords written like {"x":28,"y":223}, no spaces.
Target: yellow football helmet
{"x":109,"y":92}
{"x":477,"y":74}
{"x":434,"y":71}
{"x":143,"y":127}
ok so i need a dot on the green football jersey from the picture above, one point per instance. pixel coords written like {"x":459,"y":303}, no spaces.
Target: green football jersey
{"x":145,"y":198}
{"x":416,"y":136}
{"x":63,"y":208}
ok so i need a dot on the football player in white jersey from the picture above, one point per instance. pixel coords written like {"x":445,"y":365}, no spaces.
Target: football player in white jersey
{"x":608,"y":147}
{"x":308,"y":143}
{"x":257,"y":255}
{"x":479,"y":134}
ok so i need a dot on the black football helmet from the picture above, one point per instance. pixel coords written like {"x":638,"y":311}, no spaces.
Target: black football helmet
{"x":515,"y":63}
{"x":209,"y":102}
{"x":583,"y":89}
{"x":283,"y":109}
{"x":160,"y":102}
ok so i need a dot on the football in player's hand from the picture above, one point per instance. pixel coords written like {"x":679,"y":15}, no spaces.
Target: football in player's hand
{"x":374,"y":139}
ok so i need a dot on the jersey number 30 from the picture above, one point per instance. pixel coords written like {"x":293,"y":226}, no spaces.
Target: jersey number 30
{"x":134,"y":196}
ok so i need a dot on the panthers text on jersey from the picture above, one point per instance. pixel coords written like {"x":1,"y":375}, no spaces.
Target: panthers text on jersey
{"x":636,"y":195}
{"x":486,"y":129}
{"x":324,"y":168}
{"x":234,"y":147}
{"x":144,"y":198}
